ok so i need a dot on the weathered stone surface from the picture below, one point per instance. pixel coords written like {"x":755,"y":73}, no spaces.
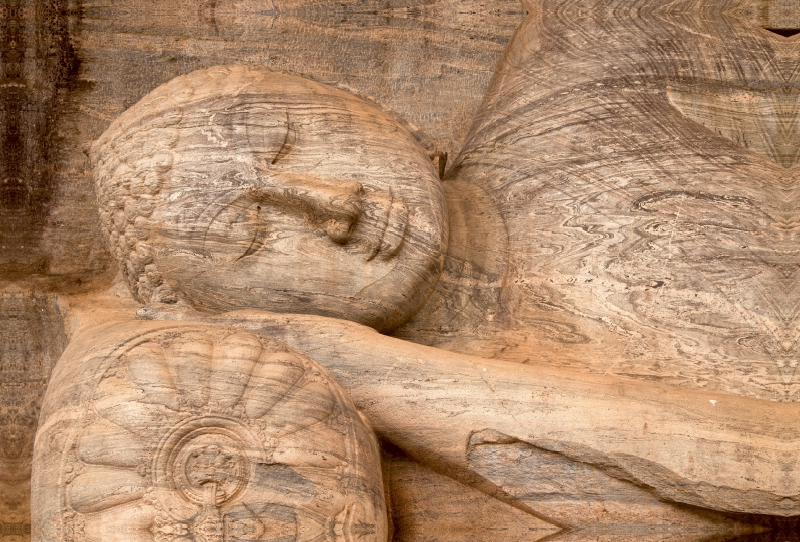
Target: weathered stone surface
{"x":182,"y":178}
{"x":240,"y":187}
{"x":624,"y":207}
{"x":33,"y":337}
{"x":586,"y":499}
{"x":682,"y":445}
{"x":162,"y":432}
{"x":639,"y":158}
{"x":38,"y":69}
{"x":430,"y":507}
{"x":69,"y":68}
{"x":72,"y":67}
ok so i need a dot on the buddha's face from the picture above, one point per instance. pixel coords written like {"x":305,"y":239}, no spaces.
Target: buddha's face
{"x":308,"y":202}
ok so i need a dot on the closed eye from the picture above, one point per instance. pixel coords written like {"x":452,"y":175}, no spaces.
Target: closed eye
{"x":258,"y":237}
{"x":288,"y":141}
{"x":238,"y":229}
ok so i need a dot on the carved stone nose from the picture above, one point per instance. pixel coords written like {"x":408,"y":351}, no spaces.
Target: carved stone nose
{"x":333,"y":204}
{"x":343,"y":209}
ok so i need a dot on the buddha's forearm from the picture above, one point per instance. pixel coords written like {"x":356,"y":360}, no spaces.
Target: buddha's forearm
{"x":687,"y":445}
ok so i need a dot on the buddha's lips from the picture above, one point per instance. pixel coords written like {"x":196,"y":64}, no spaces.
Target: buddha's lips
{"x":393,"y":232}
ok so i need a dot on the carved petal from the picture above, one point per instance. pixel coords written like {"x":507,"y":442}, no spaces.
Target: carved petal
{"x":105,"y":443}
{"x":190,"y":363}
{"x":312,"y":403}
{"x":148,"y":368}
{"x":100,"y":488}
{"x":234,"y":360}
{"x":270,"y":383}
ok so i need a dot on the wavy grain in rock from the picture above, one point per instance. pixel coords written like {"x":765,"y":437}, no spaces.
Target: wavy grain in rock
{"x":642,"y":156}
{"x":207,"y":433}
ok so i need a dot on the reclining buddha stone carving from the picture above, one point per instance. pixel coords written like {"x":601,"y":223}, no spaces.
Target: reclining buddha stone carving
{"x":598,"y":222}
{"x":622,"y":208}
{"x":241,"y":187}
{"x":163,"y":432}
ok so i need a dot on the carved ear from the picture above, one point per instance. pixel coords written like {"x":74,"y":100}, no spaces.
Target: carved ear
{"x":237,"y":230}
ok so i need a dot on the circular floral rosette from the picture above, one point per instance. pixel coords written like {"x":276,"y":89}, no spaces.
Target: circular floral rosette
{"x":210,"y":434}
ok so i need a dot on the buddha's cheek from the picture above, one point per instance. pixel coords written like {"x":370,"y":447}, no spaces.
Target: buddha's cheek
{"x":294,"y":268}
{"x":310,"y":264}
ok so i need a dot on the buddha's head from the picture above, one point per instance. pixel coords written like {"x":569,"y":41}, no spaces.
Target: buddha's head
{"x":239,"y":187}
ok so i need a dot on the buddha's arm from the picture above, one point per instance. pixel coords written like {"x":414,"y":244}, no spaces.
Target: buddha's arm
{"x":706,"y":449}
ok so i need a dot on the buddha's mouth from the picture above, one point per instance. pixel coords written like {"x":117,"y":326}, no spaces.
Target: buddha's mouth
{"x":392,"y":231}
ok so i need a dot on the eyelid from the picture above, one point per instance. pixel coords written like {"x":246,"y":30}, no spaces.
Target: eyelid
{"x":328,"y":198}
{"x":270,"y":135}
{"x":228,"y":219}
{"x":258,"y":236}
{"x":288,"y":141}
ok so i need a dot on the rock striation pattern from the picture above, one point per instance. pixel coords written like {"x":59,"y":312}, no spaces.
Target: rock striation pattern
{"x":593,"y":311}
{"x":641,"y":158}
{"x":242,"y":187}
{"x":165,"y":433}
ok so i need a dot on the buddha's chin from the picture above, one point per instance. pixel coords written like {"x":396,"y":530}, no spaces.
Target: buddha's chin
{"x":390,"y":302}
{"x":382,"y":303}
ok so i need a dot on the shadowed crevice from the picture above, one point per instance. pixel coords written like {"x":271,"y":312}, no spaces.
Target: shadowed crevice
{"x":785,"y":32}
{"x":38,"y":66}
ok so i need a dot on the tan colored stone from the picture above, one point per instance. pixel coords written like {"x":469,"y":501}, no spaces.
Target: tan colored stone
{"x":164,"y":432}
{"x":213,"y":196}
{"x":682,"y":445}
{"x":623,"y":208}
{"x":240,"y":187}
{"x":430,"y":507}
{"x":638,"y":160}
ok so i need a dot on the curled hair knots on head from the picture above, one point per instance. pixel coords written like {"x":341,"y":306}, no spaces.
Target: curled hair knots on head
{"x":129,"y":171}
